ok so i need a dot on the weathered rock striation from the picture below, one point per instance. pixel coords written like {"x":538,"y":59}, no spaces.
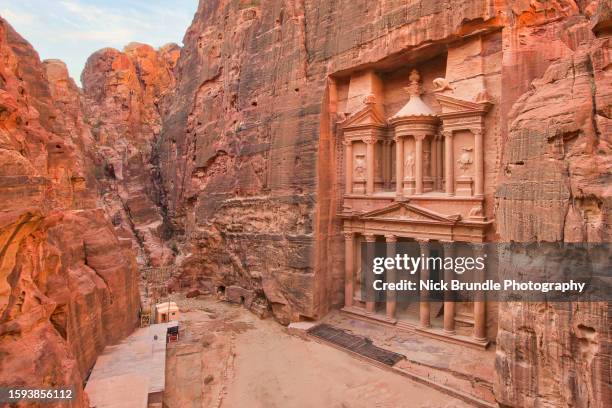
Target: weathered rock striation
{"x":554,"y":185}
{"x":249,"y":154}
{"x":122,"y":91}
{"x":224,"y":159}
{"x":68,"y":284}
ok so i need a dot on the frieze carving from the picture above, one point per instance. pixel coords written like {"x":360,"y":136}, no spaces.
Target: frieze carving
{"x":476,"y":212}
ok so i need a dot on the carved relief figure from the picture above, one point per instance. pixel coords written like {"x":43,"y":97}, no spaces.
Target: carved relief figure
{"x":360,"y":167}
{"x":426,"y":161}
{"x":476,"y":211}
{"x":441,"y":85}
{"x":409,"y":165}
{"x":465,"y":159}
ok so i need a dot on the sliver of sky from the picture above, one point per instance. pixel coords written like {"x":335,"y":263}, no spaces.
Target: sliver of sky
{"x":72,"y":30}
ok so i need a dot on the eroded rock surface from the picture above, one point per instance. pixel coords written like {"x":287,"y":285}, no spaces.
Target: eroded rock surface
{"x":555,"y":186}
{"x":68,"y":284}
{"x":122,"y":91}
{"x":249,"y":154}
{"x":222,"y":159}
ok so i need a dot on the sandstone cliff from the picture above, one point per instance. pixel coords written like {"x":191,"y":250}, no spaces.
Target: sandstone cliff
{"x":248,"y":155}
{"x":122,"y":91}
{"x":554,"y":185}
{"x":68,"y":284}
{"x":229,"y":153}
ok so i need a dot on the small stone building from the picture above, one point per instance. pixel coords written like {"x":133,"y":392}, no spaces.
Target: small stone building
{"x":166,"y":312}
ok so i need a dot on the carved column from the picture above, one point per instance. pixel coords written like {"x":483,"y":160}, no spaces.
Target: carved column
{"x":370,"y":142}
{"x":449,"y":163}
{"x":349,"y":268}
{"x":348,"y":154}
{"x":391,"y":276}
{"x":418,"y":169}
{"x":449,"y":304}
{"x":386,"y":163}
{"x":369,"y":278}
{"x":424,"y":311}
{"x":480,"y":309}
{"x":434,"y":161}
{"x":440,"y":162}
{"x":479,"y":163}
{"x":399,"y":167}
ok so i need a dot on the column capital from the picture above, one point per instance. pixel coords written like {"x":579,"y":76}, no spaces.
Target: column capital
{"x":347,"y":142}
{"x":423,"y":243}
{"x":398,"y":138}
{"x":476,"y":131}
{"x":447,"y":133}
{"x":369,"y":140}
{"x":390,"y":238}
{"x":419,"y":136}
{"x":348,"y":235}
{"x":370,"y":237}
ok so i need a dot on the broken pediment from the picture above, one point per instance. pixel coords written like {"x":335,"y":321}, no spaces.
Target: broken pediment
{"x":452,"y":105}
{"x":368,"y":116}
{"x":409,"y":212}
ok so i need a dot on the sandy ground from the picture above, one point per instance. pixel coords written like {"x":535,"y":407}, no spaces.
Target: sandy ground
{"x":227,"y":357}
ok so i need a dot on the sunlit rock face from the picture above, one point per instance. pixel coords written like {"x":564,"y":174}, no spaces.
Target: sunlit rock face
{"x":249,"y":152}
{"x":224,"y":158}
{"x":68,"y":284}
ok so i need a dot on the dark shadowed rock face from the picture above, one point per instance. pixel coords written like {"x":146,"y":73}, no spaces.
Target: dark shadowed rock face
{"x":68,"y":284}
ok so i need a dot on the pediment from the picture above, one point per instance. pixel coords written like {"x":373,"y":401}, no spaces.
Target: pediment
{"x":450,"y":104}
{"x":409,"y":212}
{"x":369,"y":115}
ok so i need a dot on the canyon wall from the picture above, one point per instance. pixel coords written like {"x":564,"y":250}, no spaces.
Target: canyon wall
{"x":554,"y":186}
{"x":221,"y":158}
{"x":68,"y":281}
{"x":122,"y":91}
{"x":248,"y":145}
{"x":249,"y":153}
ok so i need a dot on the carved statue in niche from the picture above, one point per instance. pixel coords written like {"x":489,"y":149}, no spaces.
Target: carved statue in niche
{"x":409,"y":165}
{"x":360,"y":167}
{"x":426,"y":161}
{"x":465,"y":159}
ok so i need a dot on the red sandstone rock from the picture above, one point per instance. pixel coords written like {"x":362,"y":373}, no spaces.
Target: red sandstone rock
{"x":244,"y":171}
{"x":68,"y":287}
{"x":193,"y":293}
{"x":253,"y":186}
{"x":122,"y":91}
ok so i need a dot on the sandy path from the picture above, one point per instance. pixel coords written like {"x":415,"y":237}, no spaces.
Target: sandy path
{"x":236,"y":360}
